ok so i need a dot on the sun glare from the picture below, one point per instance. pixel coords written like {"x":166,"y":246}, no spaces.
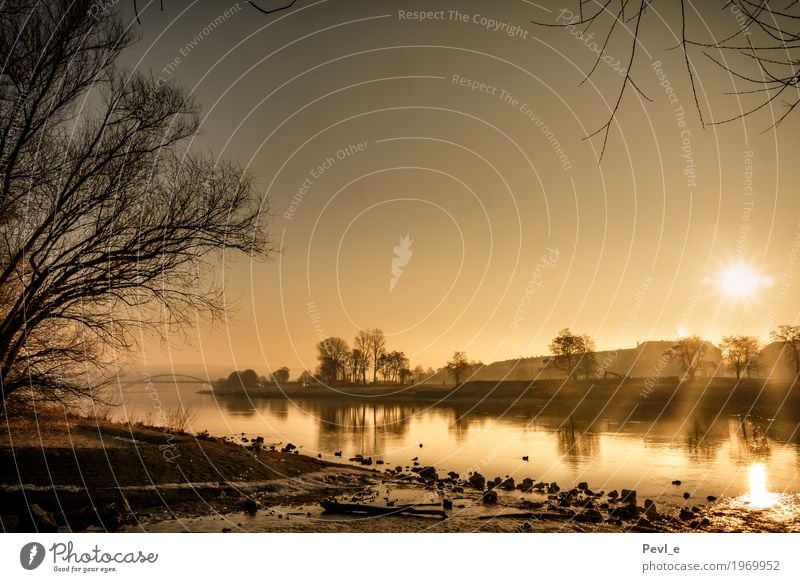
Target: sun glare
{"x":741,"y":281}
{"x":758,"y":496}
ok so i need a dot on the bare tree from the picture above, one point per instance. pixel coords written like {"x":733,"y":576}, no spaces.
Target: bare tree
{"x":756,"y":43}
{"x":789,"y":336}
{"x":739,"y":352}
{"x":108,"y":229}
{"x":457,"y":367}
{"x":691,"y":353}
{"x":373,"y":343}
{"x":573,"y":353}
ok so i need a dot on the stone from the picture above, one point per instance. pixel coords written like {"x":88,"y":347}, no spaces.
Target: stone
{"x":711,"y":499}
{"x":676,"y":482}
{"x":447,"y":504}
{"x":454,"y":476}
{"x":613,"y":494}
{"x":379,"y":462}
{"x":490,"y":498}
{"x":554,"y":488}
{"x":249,"y":506}
{"x":508,"y":484}
{"x":526,"y":485}
{"x":628,"y":495}
{"x":650,"y":510}
{"x":428,"y":473}
{"x":583,"y":485}
{"x":686,"y":495}
{"x":477,"y":480}
{"x":685,"y":514}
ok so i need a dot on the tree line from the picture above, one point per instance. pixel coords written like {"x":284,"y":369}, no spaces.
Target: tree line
{"x":574,"y":354}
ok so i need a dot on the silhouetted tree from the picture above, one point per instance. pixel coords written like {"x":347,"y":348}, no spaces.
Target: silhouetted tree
{"x":372,"y":342}
{"x":418,"y":374}
{"x":691,"y":353}
{"x":333,"y":355}
{"x":573,"y":353}
{"x":789,"y":336}
{"x":281,"y":375}
{"x":306,"y":379}
{"x":457,"y":367}
{"x":108,"y":228}
{"x":739,"y":352}
{"x":242,"y":380}
{"x":756,"y":46}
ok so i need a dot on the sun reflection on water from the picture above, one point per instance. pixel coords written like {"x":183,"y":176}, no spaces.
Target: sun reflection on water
{"x":758,"y":496}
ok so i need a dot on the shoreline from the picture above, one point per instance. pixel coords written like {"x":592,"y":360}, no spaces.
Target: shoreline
{"x":83,"y":474}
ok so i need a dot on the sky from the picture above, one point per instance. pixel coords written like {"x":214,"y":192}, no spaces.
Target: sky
{"x":431,"y":177}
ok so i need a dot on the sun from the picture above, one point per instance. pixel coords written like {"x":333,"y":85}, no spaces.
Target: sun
{"x":741,"y":281}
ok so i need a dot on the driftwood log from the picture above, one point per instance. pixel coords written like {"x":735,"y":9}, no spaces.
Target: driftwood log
{"x":333,"y":506}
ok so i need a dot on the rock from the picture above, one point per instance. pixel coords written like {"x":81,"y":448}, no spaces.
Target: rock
{"x":626,"y":512}
{"x":259,"y":440}
{"x":477,"y":480}
{"x":676,"y":482}
{"x":705,"y":522}
{"x":226,"y":530}
{"x":526,"y":485}
{"x":379,"y":462}
{"x":613,"y":494}
{"x":525,"y":526}
{"x":650,"y":510}
{"x":337,"y":454}
{"x":428,"y":473}
{"x":398,"y":469}
{"x":43,"y":519}
{"x":711,"y":499}
{"x":628,"y":495}
{"x":686,"y":495}
{"x":367,"y":461}
{"x":583,"y":485}
{"x":454,"y":476}
{"x":685,"y":514}
{"x":508,"y":484}
{"x":249,"y":506}
{"x":420,"y":445}
{"x":695,"y":509}
{"x":319,"y":455}
{"x":526,"y":459}
{"x":490,"y":498}
{"x":447,"y":504}
{"x":554,"y":488}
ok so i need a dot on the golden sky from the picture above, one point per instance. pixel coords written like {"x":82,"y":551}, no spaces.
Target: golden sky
{"x":464,"y":132}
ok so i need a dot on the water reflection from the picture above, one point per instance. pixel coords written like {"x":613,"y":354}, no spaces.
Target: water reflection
{"x":758,"y":496}
{"x":732,"y":456}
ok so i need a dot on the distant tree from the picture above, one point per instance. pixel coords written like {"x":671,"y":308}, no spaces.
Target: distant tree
{"x":573,"y":353}
{"x":358,"y":366}
{"x":789,"y":336}
{"x":739,"y":352}
{"x":457,"y":367}
{"x":306,"y":379}
{"x":373,"y":344}
{"x":691,"y":353}
{"x":280,"y":376}
{"x":333,"y":354}
{"x":405,"y":375}
{"x":242,"y":380}
{"x":418,"y":374}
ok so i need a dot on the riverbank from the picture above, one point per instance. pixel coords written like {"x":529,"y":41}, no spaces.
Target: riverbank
{"x":68,"y":473}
